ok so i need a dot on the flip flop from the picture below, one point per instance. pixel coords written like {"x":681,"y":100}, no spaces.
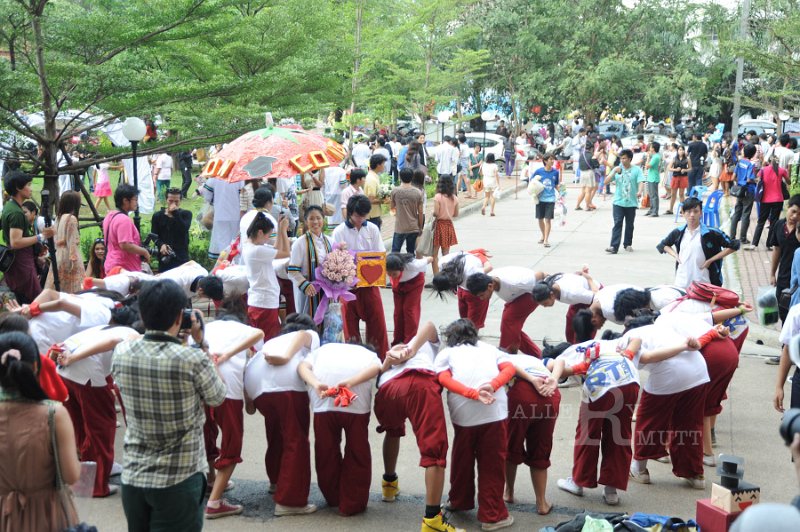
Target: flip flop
{"x":578,"y":208}
{"x":547,"y":244}
{"x":541,"y":241}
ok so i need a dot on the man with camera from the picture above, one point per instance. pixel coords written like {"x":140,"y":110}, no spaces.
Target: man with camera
{"x":123,"y":243}
{"x":171,"y":227}
{"x":163,"y":480}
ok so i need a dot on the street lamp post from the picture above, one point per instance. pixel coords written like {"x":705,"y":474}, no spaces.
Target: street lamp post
{"x":485,"y":117}
{"x":134,"y":130}
{"x":783,"y":116}
{"x":444,"y":117}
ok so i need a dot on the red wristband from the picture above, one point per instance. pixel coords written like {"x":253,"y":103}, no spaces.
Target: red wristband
{"x":34,"y":309}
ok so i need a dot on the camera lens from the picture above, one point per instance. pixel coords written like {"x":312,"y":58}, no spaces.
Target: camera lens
{"x":790,"y":425}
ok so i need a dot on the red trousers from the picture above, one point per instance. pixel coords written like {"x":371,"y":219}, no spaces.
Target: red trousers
{"x":569,"y":332}
{"x":91,"y":409}
{"x":210,"y":434}
{"x":415,"y":396}
{"x":722,"y":359}
{"x":407,"y":308}
{"x":229,"y":418}
{"x":287,"y":291}
{"x":343,"y":480}
{"x":472,"y":307}
{"x":487,"y":444}
{"x":265,"y":319}
{"x":512,"y":337}
{"x":739,"y":342}
{"x":368,"y":308}
{"x":605,"y":425}
{"x":288,"y":457}
{"x":531,"y":422}
{"x":674,"y":420}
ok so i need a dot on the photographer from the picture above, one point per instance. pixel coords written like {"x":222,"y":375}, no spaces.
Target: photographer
{"x":171,"y":225}
{"x":159,"y":374}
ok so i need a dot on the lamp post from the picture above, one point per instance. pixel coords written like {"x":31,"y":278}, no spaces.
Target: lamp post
{"x":783,"y":116}
{"x":485,"y":116}
{"x":134,"y":130}
{"x":444,"y":117}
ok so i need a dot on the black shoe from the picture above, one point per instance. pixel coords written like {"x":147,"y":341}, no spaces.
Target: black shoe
{"x":611,"y":251}
{"x":744,"y":241}
{"x":647,"y":214}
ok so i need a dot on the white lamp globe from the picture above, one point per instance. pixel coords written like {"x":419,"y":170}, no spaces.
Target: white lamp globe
{"x":134,"y":129}
{"x":444,"y":116}
{"x":784,"y":115}
{"x":487,"y":115}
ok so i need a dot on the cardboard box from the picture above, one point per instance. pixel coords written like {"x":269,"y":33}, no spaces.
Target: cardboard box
{"x":735,"y":500}
{"x":712,"y":519}
{"x":371,"y":268}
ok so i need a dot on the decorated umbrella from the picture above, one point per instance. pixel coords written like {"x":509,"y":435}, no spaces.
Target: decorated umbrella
{"x":273,"y":152}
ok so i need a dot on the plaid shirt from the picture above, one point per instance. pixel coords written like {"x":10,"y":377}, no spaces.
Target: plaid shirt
{"x":164,"y":386}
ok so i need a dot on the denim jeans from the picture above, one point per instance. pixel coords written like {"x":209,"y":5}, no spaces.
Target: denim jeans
{"x":695,"y":177}
{"x":178,"y":507}
{"x":409,"y":238}
{"x":652,"y":192}
{"x":626,"y":214}
{"x":741,"y":212}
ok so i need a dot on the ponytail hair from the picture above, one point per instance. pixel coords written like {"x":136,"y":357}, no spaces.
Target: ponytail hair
{"x":449,"y":277}
{"x":19,"y":365}
{"x":396,"y":262}
{"x":544,"y":288}
{"x":260,"y":223}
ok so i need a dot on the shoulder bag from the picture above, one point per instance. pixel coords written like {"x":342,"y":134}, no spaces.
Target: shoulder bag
{"x":64,"y":491}
{"x":425,"y":242}
{"x":6,"y":258}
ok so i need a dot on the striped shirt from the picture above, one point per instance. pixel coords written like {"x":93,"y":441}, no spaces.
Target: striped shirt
{"x":164,"y":386}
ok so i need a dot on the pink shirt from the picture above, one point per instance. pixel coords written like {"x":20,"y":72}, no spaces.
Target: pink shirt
{"x":447,"y":206}
{"x":119,"y":228}
{"x":772,"y":184}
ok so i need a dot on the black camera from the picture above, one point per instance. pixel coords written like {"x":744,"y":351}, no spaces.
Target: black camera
{"x":186,"y":319}
{"x":151,"y":245}
{"x":790,"y":425}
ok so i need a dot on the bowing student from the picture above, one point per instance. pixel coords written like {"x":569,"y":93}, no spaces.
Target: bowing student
{"x":454,"y":269}
{"x":574,"y":289}
{"x":408,"y":279}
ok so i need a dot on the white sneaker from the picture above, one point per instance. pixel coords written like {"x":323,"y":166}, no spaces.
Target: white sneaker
{"x":116,"y":469}
{"x":610,"y":496}
{"x":698,"y":483}
{"x":567,"y":484}
{"x":570,"y":382}
{"x":642,"y":477}
{"x":709,"y":460}
{"x":749,"y":247}
{"x":282,"y":511}
{"x":664,"y":460}
{"x":505,"y":523}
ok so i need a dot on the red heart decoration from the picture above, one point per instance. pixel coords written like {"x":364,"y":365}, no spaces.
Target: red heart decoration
{"x":371,"y":273}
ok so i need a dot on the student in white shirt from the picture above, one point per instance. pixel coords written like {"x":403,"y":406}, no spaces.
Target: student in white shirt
{"x":263,"y":296}
{"x":455,"y":268}
{"x":229,"y":341}
{"x":409,"y":389}
{"x":84,"y":364}
{"x":514,"y":285}
{"x":330,"y":372}
{"x":791,"y":328}
{"x":408,"y":279}
{"x":574,"y":289}
{"x":475,"y":375}
{"x":361,"y":235}
{"x":193,"y":278}
{"x":273,"y":387}
{"x":163,"y":174}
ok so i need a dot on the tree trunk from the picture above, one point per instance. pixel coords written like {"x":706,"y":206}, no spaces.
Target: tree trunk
{"x":50,"y":146}
{"x":356,"y":68}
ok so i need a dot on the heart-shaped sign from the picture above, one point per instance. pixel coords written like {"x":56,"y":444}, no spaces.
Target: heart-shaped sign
{"x":371,"y":273}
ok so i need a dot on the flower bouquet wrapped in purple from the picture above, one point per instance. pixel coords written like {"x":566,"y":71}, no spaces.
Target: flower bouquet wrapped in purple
{"x":334,"y":279}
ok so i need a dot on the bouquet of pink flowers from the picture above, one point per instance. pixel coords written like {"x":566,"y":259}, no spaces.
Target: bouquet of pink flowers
{"x":334,"y":279}
{"x":338,"y":266}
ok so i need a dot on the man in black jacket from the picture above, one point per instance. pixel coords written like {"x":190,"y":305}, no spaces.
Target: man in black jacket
{"x":172,"y":224}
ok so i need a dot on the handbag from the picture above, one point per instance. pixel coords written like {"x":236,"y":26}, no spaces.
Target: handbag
{"x":784,"y":190}
{"x":736,"y":191}
{"x":478,"y":185}
{"x":645,"y":201}
{"x":425,"y":242}
{"x":759,"y":196}
{"x":6,"y":258}
{"x":785,"y":300}
{"x":64,"y":491}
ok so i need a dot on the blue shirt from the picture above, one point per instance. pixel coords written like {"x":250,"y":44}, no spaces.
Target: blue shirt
{"x":550,"y":182}
{"x":627,"y":186}
{"x":745,"y":174}
{"x":401,"y":159}
{"x":795,"y":277}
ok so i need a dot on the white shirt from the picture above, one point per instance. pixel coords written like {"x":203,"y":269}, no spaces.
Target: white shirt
{"x":531,"y":365}
{"x":335,"y":177}
{"x":333,"y":363}
{"x":234,"y":279}
{"x":261,"y":377}
{"x":414,"y":268}
{"x":447,"y":157}
{"x":221,"y":335}
{"x":263,"y":291}
{"x":738,"y":325}
{"x":184,"y":275}
{"x":361,"y":155}
{"x":610,"y":370}
{"x":515,"y":281}
{"x":93,"y":369}
{"x":54,"y":327}
{"x":606,"y":296}
{"x":574,"y":289}
{"x":121,"y":282}
{"x":225,"y":198}
{"x":784,"y":155}
{"x":791,"y":325}
{"x":691,"y":259}
{"x":299,"y":256}
{"x":472,"y":264}
{"x":164,"y":164}
{"x":473,"y":366}
{"x":247,"y":220}
{"x":368,"y":238}
{"x":673,"y":375}
{"x":422,"y":361}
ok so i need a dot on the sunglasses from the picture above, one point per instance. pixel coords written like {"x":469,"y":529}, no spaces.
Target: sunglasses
{"x":99,"y":241}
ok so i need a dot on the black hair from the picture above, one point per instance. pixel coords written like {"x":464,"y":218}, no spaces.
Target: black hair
{"x":656,"y":146}
{"x":174,"y":191}
{"x":126,"y":315}
{"x":313,"y":208}
{"x":641,"y":319}
{"x":358,"y":204}
{"x":628,"y":301}
{"x":462,"y":139}
{"x":445,"y":187}
{"x":11,"y":321}
{"x":233,"y":308}
{"x":260,"y":223}
{"x":794,"y":201}
{"x":582,"y":325}
{"x":69,"y":203}
{"x":261,"y":197}
{"x":212,"y":287}
{"x":608,"y":334}
{"x":298,"y":322}
{"x":477,"y":283}
{"x":356,"y":174}
{"x":460,"y":332}
{"x":692,"y":203}
{"x":376,"y":160}
{"x":124,"y":192}
{"x":31,"y":206}
{"x":749,"y":151}
{"x":544,"y":288}
{"x":15,"y":181}
{"x":627,"y":153}
{"x":406,"y":175}
{"x":160,"y":304}
{"x":784,"y":140}
{"x":20,"y":375}
{"x":396,"y":262}
{"x":553,"y":350}
{"x":450,"y":276}
{"x":418,"y":180}
{"x":490,"y":157}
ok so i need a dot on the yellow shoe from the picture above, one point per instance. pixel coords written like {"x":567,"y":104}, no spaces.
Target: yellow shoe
{"x":390,"y":490}
{"x":438,"y":524}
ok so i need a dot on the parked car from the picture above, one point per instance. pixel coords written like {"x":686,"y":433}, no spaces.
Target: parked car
{"x":663,"y":140}
{"x":759,"y":126}
{"x":612,"y":127}
{"x":493,"y":143}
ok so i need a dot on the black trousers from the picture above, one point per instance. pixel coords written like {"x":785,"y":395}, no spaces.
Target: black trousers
{"x":627,"y":215}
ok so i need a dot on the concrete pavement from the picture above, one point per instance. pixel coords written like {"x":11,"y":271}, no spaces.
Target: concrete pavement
{"x":747,"y":426}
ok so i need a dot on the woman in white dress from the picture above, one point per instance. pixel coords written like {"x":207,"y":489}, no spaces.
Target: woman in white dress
{"x":491,"y":183}
{"x":308,"y":252}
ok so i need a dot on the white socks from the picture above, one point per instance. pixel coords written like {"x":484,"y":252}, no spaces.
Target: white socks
{"x":638,"y":466}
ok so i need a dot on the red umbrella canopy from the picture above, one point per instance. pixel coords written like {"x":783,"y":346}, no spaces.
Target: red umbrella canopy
{"x":274,"y":152}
